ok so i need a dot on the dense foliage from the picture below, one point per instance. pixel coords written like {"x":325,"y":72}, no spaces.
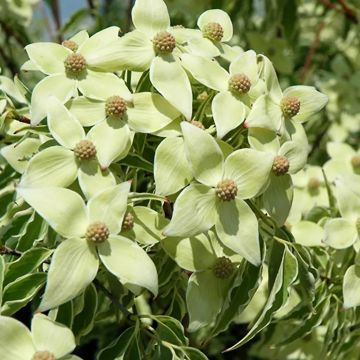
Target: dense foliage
{"x":168,"y":189}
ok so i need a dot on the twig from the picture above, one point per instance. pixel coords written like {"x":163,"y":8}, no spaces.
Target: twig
{"x":311,"y":53}
{"x":55,"y":9}
{"x":348,"y":12}
{"x":111,"y":297}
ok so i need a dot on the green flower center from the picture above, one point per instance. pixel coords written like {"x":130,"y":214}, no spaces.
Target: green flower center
{"x":226,"y":190}
{"x":198,"y":124}
{"x":128,"y":222}
{"x":85,"y":150}
{"x":213,"y":31}
{"x":75,"y":65}
{"x":239,"y":84}
{"x":72,"y":45}
{"x":223,"y":268}
{"x":280,"y":165}
{"x":43,"y":355}
{"x":290,"y":106}
{"x":97,"y":232}
{"x":164,"y":42}
{"x":115,"y":106}
{"x":355,"y":162}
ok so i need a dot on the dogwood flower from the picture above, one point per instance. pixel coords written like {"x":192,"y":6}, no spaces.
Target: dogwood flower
{"x":217,"y":198}
{"x":90,"y":233}
{"x":237,"y":88}
{"x":47,"y":340}
{"x":69,"y":71}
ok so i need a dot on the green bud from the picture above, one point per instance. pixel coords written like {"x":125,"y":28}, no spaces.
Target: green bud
{"x":115,"y":106}
{"x":72,"y":45}
{"x":164,"y":43}
{"x":223,"y":268}
{"x":213,"y":31}
{"x":226,"y":190}
{"x":97,"y":232}
{"x":280,"y":165}
{"x":75,"y":65}
{"x":239,"y":84}
{"x":85,"y":150}
{"x":43,"y":355}
{"x":128,"y":222}
{"x":290,"y":106}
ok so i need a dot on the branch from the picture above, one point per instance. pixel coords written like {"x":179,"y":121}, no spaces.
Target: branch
{"x":348,"y":12}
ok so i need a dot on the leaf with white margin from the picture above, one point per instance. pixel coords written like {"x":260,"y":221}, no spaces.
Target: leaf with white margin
{"x":217,"y":16}
{"x":87,"y":111}
{"x":250,"y":169}
{"x":101,"y":85}
{"x":64,"y":127}
{"x":278,"y":198}
{"x":311,"y":101}
{"x":351,"y":287}
{"x":194,"y":211}
{"x":171,"y":167}
{"x":92,"y":179}
{"x":151,"y":112}
{"x":109,"y":206}
{"x":52,"y":336}
{"x":63,"y":209}
{"x":54,"y":166}
{"x":57,"y":85}
{"x":91,"y":46}
{"x":265,"y":114}
{"x":246,"y":63}
{"x":15,"y":340}
{"x":228,"y":112}
{"x":206,"y":71}
{"x":129,"y":262}
{"x":171,"y":81}
{"x":237,"y":228}
{"x":347,"y":193}
{"x":204,"y":285}
{"x":73,"y":267}
{"x":193,"y":254}
{"x":308,"y":233}
{"x":150,"y":16}
{"x":204,"y":155}
{"x":112,"y":139}
{"x":48,"y":57}
{"x":340,"y":233}
{"x":17,"y":154}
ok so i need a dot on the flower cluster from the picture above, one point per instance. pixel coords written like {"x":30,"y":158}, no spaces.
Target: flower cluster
{"x":206,"y":121}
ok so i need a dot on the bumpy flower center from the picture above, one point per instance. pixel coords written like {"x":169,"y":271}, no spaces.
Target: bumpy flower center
{"x":226,"y":190}
{"x":97,"y":232}
{"x":239,"y":84}
{"x":164,"y":42}
{"x":128,"y":222}
{"x":85,"y":150}
{"x":72,"y":45}
{"x":357,"y":224}
{"x":213,"y":31}
{"x":280,"y":165}
{"x":290,"y":106}
{"x":75,"y":64}
{"x":223,"y":268}
{"x":198,"y":124}
{"x":43,"y":355}
{"x":355,"y":162}
{"x":115,"y":106}
{"x":314,"y":183}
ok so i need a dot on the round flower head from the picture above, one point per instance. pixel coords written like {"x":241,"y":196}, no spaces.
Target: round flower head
{"x":75,"y":65}
{"x":239,"y":84}
{"x":355,"y":162}
{"x":223,"y":268}
{"x":128,"y":222}
{"x":85,"y":150}
{"x":226,"y":190}
{"x":213,"y":31}
{"x":164,"y":43}
{"x":290,"y":106}
{"x":97,"y":232}
{"x":72,"y":45}
{"x":43,"y":355}
{"x":281,"y":165}
{"x":115,"y":106}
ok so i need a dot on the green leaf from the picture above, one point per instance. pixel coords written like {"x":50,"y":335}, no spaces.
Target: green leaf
{"x":27,"y":263}
{"x":245,"y":285}
{"x":193,"y":353}
{"x":18,"y":293}
{"x":137,"y":162}
{"x":284,"y":274}
{"x":170,"y":329}
{"x":2,"y":273}
{"x":84,"y":322}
